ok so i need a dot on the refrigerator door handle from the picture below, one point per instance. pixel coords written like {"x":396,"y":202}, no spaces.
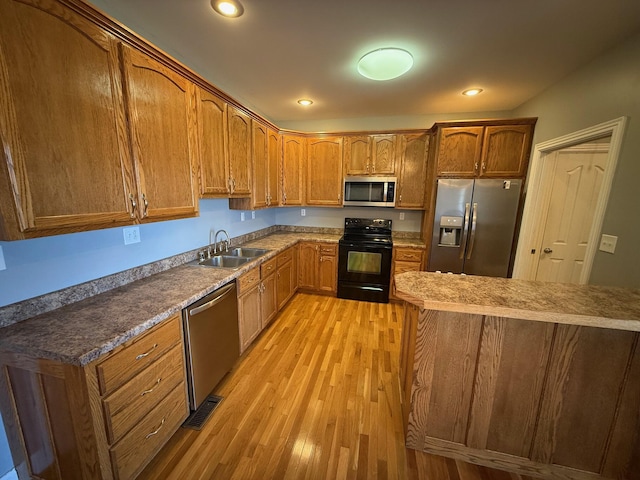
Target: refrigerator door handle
{"x":472,"y":238}
{"x":465,"y":229}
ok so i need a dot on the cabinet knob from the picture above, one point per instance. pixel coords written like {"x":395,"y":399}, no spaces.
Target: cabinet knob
{"x":484,"y":166}
{"x":146,"y":205}
{"x":547,"y":250}
{"x":475,"y":166}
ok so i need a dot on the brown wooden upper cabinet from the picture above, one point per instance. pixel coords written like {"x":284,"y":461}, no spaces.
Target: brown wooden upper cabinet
{"x":293,"y":155}
{"x":161,"y":112}
{"x":239,"y":150}
{"x":274,"y":167}
{"x":370,"y":155}
{"x":260,"y":166}
{"x":60,"y":139}
{"x":484,"y":150}
{"x":413,"y":149}
{"x":212,"y":138}
{"x":324,"y":171}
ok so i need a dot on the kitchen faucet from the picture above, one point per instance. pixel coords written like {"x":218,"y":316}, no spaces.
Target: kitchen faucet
{"x":226,"y":242}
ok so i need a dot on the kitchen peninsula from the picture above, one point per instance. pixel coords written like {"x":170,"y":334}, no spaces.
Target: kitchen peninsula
{"x":534,"y":377}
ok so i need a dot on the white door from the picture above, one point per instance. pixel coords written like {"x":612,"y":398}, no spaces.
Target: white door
{"x":575,"y":175}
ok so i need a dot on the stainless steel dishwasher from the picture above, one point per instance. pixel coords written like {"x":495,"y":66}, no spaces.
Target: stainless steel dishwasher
{"x":212,"y":341}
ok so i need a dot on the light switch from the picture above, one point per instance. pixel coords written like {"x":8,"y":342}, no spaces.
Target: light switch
{"x":3,"y":265}
{"x":608,"y":243}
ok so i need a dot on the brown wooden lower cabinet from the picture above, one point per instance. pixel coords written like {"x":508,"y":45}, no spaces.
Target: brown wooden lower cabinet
{"x":286,"y":275}
{"x":551,"y":399}
{"x":105,"y":420}
{"x":405,"y":259}
{"x":318,"y":267}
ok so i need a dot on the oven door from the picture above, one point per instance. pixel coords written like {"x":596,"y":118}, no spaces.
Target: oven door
{"x":364,"y":272}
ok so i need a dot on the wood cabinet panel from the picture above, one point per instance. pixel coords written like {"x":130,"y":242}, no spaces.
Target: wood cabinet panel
{"x":269,"y":298}
{"x":383,"y":155}
{"x":357,"y":155}
{"x":412,"y":175}
{"x":293,"y":156}
{"x":328,"y":270}
{"x":161,"y":111}
{"x":324,"y":171}
{"x":575,"y":375}
{"x":274,"y":160}
{"x":459,"y":151}
{"x":510,"y":373}
{"x":239,"y":151}
{"x":259,"y":195}
{"x":318,"y":267}
{"x":404,"y":260}
{"x":285,"y":286}
{"x":307,"y":266}
{"x":212,"y":137}
{"x":505,"y":150}
{"x":249,"y":316}
{"x":447,"y":344}
{"x":51,"y":123}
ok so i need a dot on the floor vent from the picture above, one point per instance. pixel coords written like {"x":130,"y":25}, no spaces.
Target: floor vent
{"x":198,"y":418}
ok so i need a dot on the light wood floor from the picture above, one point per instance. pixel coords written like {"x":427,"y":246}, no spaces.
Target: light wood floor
{"x":316,"y":397}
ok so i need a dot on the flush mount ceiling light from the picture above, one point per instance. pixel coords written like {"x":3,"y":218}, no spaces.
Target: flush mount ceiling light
{"x":385,"y":63}
{"x":305,"y":102}
{"x":472,"y":92}
{"x":228,"y":8}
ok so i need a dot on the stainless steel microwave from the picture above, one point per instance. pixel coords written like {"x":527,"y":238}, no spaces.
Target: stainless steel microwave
{"x":369,"y":192}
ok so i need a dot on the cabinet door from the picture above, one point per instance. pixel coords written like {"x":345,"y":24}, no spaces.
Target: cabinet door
{"x":357,"y":155}
{"x":274,"y":160}
{"x":260,"y":166}
{"x":413,"y":170}
{"x":505,"y":151}
{"x":324,"y":171}
{"x":398,"y":268}
{"x":161,"y":111}
{"x":328,"y":267}
{"x":269,"y":299}
{"x":239,"y":147}
{"x":214,"y":163}
{"x":65,"y":163}
{"x":292,"y":169}
{"x":459,"y":150}
{"x":249,"y":316}
{"x":383,"y":155}
{"x":308,"y":265}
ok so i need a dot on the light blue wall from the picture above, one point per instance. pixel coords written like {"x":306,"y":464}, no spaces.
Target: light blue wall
{"x":6,"y":462}
{"x":43,"y":265}
{"x":334,"y":217}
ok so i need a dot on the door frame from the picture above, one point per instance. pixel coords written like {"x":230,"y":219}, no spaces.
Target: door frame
{"x":525,"y":262}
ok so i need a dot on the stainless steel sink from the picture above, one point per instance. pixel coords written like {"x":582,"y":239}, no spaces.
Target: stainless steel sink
{"x":224,"y":261}
{"x":247,"y":252}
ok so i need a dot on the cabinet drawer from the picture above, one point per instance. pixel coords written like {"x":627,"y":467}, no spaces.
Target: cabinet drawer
{"x":408,"y":255}
{"x":248,"y":280}
{"x":402,"y":267}
{"x":135,"y":450}
{"x":135,"y":357}
{"x":328,"y":250}
{"x":127,"y":405}
{"x":284,"y":257}
{"x":268,"y":267}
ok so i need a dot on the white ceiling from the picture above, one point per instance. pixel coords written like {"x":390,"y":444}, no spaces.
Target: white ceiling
{"x":283,"y":50}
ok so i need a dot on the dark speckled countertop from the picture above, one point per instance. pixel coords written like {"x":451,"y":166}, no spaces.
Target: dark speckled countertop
{"x":83,"y":331}
{"x":588,"y":305}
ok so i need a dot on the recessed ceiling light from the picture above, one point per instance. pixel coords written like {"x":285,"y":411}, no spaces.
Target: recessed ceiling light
{"x":385,"y":63}
{"x":472,"y":92}
{"x":305,"y":102}
{"x":228,"y":8}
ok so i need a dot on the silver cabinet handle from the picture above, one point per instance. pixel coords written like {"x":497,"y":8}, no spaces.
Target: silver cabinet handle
{"x":156,"y":431}
{"x":142,"y":355}
{"x":152,"y":388}
{"x":472,"y":238}
{"x":547,"y":250}
{"x":146,"y":205}
{"x":133,"y":205}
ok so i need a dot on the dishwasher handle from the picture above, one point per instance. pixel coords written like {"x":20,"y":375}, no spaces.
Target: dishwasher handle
{"x":223,"y":292}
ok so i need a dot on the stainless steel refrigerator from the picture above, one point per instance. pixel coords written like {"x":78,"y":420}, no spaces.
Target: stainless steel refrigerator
{"x":474,"y":226}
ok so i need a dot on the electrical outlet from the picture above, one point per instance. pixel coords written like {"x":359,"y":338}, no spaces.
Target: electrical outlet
{"x":253,"y":215}
{"x":242,"y":216}
{"x":131,"y":235}
{"x":401,"y":215}
{"x":608,"y":243}
{"x":303,"y":212}
{"x":3,"y":265}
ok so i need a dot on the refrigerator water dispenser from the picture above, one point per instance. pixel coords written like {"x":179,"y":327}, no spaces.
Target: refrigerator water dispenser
{"x":450,"y":231}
